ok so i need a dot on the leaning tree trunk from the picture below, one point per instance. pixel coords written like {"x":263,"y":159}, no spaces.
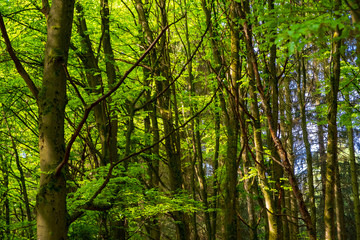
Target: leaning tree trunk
{"x":278,"y":144}
{"x":263,"y":181}
{"x":51,"y":197}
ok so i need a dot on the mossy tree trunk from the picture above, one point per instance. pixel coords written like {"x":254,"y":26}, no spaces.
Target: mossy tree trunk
{"x":331,"y":160}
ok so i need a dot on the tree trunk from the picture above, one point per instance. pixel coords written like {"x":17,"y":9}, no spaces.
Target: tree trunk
{"x":263,"y":181}
{"x":331,"y":160}
{"x":339,"y":209}
{"x":284,"y":136}
{"x":277,"y":169}
{"x":301,"y":86}
{"x":51,"y":197}
{"x":232,"y":129}
{"x":218,"y":63}
{"x":355,"y":13}
{"x":22,"y":181}
{"x":248,"y":185}
{"x":353,"y":169}
{"x":293,"y":218}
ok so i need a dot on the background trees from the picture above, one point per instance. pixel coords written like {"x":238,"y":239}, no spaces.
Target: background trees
{"x":176,"y":119}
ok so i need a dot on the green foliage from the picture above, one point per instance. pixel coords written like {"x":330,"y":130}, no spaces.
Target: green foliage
{"x":138,"y":189}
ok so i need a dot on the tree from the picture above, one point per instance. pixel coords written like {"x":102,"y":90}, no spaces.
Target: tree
{"x":179,"y":120}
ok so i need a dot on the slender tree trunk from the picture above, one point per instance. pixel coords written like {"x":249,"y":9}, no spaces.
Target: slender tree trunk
{"x":248,"y":185}
{"x":112,"y":121}
{"x":263,"y":182}
{"x":5,"y":232}
{"x":274,"y":98}
{"x":294,"y":225}
{"x":218,"y":63}
{"x":118,"y":228}
{"x":286,"y":195}
{"x":331,"y":161}
{"x":93,"y":76}
{"x":51,"y":197}
{"x":172,"y":143}
{"x":154,"y":228}
{"x":353,"y":168}
{"x":232,"y":129}
{"x":339,"y":209}
{"x":301,"y":86}
{"x":215,"y":182}
{"x":322,"y":162}
{"x":21,"y":178}
{"x":355,"y":13}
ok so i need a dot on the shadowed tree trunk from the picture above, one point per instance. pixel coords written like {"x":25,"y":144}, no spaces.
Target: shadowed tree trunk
{"x":232,"y":129}
{"x":301,"y":86}
{"x":331,"y":160}
{"x":286,"y":194}
{"x":353,"y":169}
{"x":21,"y":179}
{"x":294,"y":222}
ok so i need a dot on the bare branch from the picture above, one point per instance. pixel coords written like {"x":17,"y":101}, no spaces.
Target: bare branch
{"x":18,"y":65}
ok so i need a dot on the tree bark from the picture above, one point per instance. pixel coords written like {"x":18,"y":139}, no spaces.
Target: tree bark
{"x":232,"y":129}
{"x":301,"y":86}
{"x":353,"y":169}
{"x":294,"y":222}
{"x":331,"y":160}
{"x":51,"y":197}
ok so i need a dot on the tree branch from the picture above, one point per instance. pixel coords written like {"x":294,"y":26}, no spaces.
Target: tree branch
{"x":102,"y":98}
{"x":18,"y":65}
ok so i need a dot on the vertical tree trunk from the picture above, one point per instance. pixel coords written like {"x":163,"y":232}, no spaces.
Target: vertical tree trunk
{"x":172,"y":143}
{"x":94,"y":79}
{"x":21,"y":178}
{"x":218,"y":64}
{"x":284,"y":136}
{"x":274,"y":98}
{"x":51,"y":197}
{"x":248,"y":185}
{"x":355,"y":13}
{"x":5,"y":232}
{"x":301,"y":86}
{"x":353,"y":169}
{"x":339,"y":209}
{"x":263,"y":182}
{"x":112,"y":122}
{"x":294,"y":224}
{"x":232,"y":129}
{"x":331,"y":160}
